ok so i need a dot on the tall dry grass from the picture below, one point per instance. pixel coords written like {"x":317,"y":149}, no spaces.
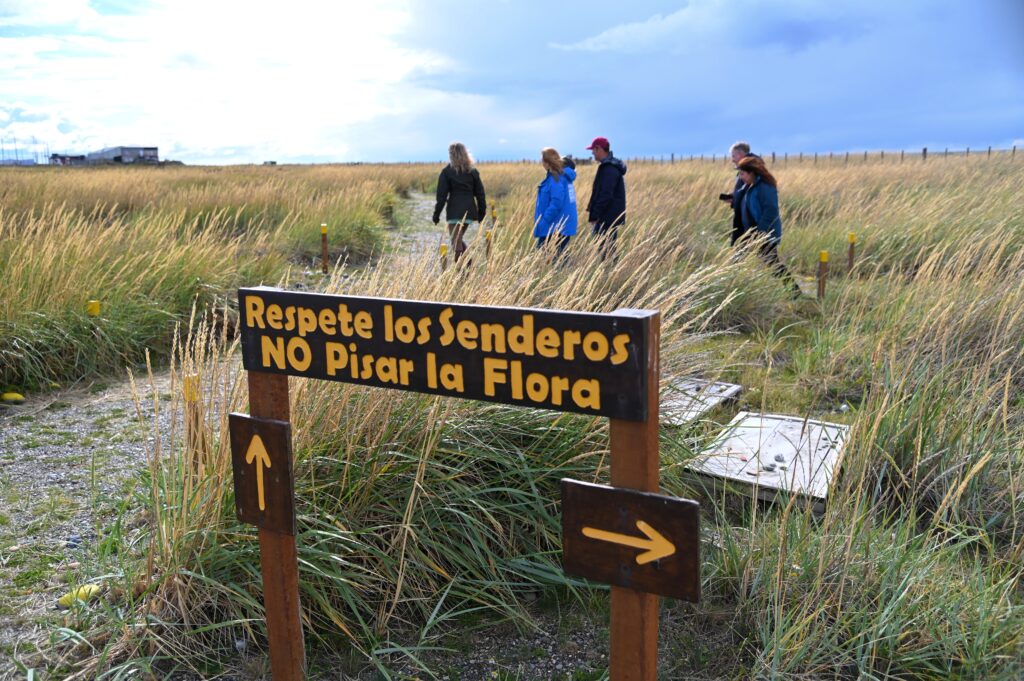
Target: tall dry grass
{"x":421,"y":517}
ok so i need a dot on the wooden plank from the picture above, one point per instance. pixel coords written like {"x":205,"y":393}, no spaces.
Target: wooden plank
{"x":648,"y":542}
{"x":582,"y":362}
{"x":635,"y":464}
{"x":268,"y":398}
{"x":261,"y":461}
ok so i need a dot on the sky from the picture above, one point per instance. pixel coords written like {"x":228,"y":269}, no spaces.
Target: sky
{"x":224,"y":82}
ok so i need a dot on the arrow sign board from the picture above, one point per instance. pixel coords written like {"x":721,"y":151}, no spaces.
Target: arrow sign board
{"x":643,"y":541}
{"x":261,"y":457}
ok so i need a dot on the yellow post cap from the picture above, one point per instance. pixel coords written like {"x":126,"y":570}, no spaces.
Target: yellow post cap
{"x":852,"y":237}
{"x":12,"y":398}
{"x":92,"y":308}
{"x":489,"y":234}
{"x":191,"y":388}
{"x":323,"y":228}
{"x":823,"y":256}
{"x":82,"y":594}
{"x":444,"y":250}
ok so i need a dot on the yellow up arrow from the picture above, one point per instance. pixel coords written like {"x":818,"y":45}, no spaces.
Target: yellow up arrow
{"x":258,"y":452}
{"x":655,"y":545}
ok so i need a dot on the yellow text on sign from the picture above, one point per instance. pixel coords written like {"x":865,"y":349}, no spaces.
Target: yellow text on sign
{"x":257,"y":453}
{"x":655,"y":546}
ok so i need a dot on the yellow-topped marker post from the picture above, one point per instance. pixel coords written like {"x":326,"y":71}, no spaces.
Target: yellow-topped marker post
{"x":92,"y":308}
{"x":822,"y":273}
{"x":323,"y":247}
{"x":489,"y":236}
{"x":444,"y":257}
{"x":852,"y":238}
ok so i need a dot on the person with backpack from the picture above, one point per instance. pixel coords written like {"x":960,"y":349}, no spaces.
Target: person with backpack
{"x":555,"y":216}
{"x":461,"y":192}
{"x":607,"y":207}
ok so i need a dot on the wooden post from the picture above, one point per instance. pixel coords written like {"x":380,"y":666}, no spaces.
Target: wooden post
{"x":1013,"y":152}
{"x":323,"y":248}
{"x":901,"y":156}
{"x":967,"y":154}
{"x":773,"y":158}
{"x":852,"y":238}
{"x":822,"y":273}
{"x":193,"y":422}
{"x":268,"y":398}
{"x":635,"y":464}
{"x":847,"y":161}
{"x":865,"y":155}
{"x":672,"y":159}
{"x":815,"y":158}
{"x":990,"y":151}
{"x":924,"y":154}
{"x":882,"y":155}
{"x":444,"y":257}
{"x":801,"y":156}
{"x":785,"y":159}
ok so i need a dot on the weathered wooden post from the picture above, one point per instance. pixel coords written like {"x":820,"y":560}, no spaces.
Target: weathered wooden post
{"x":323,"y":247}
{"x":989,"y":151}
{"x":847,"y":161}
{"x":822,"y":273}
{"x":924,"y":154}
{"x":773,"y":158}
{"x":852,"y":238}
{"x":967,"y":153}
{"x":901,"y":155}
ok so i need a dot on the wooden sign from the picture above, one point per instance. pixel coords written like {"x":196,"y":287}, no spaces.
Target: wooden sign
{"x":261,"y":458}
{"x":643,"y":541}
{"x":567,"y":361}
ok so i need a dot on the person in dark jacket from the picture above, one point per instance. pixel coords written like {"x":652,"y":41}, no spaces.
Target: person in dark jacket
{"x":738,"y":152}
{"x":607,"y":207}
{"x":759,"y":209}
{"x":459,"y":187}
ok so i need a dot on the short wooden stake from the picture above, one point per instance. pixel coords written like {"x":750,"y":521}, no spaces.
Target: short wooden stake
{"x":268,"y":398}
{"x":92,"y":308}
{"x":635,"y":464}
{"x":852,"y":238}
{"x":444,"y":257}
{"x":323,"y":248}
{"x":194,"y":444}
{"x":822,"y":273}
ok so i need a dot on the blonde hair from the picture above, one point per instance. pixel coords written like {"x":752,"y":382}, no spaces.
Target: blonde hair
{"x":459,"y":156}
{"x":552,"y":160}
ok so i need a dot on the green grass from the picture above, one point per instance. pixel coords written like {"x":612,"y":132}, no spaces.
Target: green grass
{"x":422,"y":519}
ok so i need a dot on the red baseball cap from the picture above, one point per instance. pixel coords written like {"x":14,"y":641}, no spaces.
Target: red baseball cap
{"x":600,"y":142}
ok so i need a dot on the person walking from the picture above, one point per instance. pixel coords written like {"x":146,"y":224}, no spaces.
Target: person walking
{"x":460,"y":189}
{"x":738,"y":152}
{"x":759,"y":209}
{"x":607,"y":207}
{"x":555,"y":214}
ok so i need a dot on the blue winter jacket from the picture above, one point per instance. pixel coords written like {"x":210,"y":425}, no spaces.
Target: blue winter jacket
{"x":556,"y":205}
{"x":761,"y":209}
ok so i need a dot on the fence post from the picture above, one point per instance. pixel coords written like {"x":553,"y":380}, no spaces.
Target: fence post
{"x":773,"y":157}
{"x":801,"y":156}
{"x":901,"y":156}
{"x":672,"y":159}
{"x":990,"y":151}
{"x":852,"y":238}
{"x":785,"y":159}
{"x":847,"y":161}
{"x":882,"y":155}
{"x":323,"y":247}
{"x":945,"y":154}
{"x":865,"y":155}
{"x":815,"y":158}
{"x":924,"y":154}
{"x":1013,"y":152}
{"x":822,"y":273}
{"x":967,"y":154}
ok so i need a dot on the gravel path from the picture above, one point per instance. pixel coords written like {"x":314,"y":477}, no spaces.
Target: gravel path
{"x":68,"y":460}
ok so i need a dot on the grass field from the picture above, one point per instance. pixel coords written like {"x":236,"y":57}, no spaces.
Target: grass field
{"x":421,"y":518}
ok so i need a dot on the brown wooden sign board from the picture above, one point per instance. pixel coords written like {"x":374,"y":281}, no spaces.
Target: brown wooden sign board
{"x":581,"y":362}
{"x":261,"y":458}
{"x":643,"y":541}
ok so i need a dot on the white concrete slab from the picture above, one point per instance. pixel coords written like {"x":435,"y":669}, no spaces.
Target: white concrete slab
{"x":688,"y":399}
{"x":774,"y":453}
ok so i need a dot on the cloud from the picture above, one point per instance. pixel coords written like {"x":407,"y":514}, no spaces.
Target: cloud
{"x":740,"y":24}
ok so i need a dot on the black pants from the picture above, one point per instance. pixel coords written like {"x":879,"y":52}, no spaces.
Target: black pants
{"x":768,"y":252}
{"x":606,"y":235}
{"x":561,"y":241}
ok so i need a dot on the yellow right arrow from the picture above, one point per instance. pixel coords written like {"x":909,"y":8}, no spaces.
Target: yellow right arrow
{"x":655,"y":545}
{"x":258,"y":452}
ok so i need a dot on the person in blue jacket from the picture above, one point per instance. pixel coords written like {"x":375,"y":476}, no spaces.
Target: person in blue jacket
{"x":760,"y":213}
{"x":555,"y":214}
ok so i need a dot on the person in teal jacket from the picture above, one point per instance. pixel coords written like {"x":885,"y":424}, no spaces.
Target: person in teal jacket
{"x":760,"y":213}
{"x":555,"y":214}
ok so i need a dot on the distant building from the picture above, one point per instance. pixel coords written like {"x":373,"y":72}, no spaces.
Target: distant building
{"x":67,"y":160}
{"x":124,"y":155}
{"x":18,"y":162}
